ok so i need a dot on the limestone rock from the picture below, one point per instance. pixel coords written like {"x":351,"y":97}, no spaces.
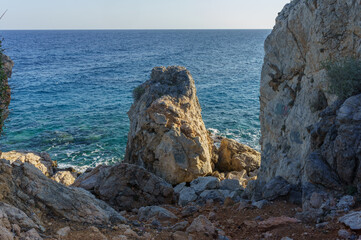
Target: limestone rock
{"x":167,"y":134}
{"x":273,"y":222}
{"x":63,"y":232}
{"x":234,"y":156}
{"x":65,"y":177}
{"x":204,"y":183}
{"x":126,"y":186}
{"x":32,"y":234}
{"x":5,"y":234}
{"x":201,"y":224}
{"x":187,"y":195}
{"x":6,"y":66}
{"x":42,"y":160}
{"x":346,"y":202}
{"x":27,"y":188}
{"x":230,"y":184}
{"x":275,"y":188}
{"x":352,"y":220}
{"x":293,"y":83}
{"x":160,"y":213}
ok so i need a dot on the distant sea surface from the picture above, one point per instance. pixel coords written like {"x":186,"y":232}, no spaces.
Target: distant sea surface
{"x":71,"y":90}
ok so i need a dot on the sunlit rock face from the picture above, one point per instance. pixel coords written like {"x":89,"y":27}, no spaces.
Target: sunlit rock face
{"x":294,"y":90}
{"x":167,"y":134}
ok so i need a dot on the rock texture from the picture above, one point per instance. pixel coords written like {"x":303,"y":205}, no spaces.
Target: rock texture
{"x":25,"y":187}
{"x":6,"y":66}
{"x":235,"y":156}
{"x":41,"y":161}
{"x":294,"y":91}
{"x":126,"y":186}
{"x":167,"y":134}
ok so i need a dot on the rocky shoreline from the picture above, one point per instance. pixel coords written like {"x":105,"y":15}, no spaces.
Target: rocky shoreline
{"x":175,"y":183}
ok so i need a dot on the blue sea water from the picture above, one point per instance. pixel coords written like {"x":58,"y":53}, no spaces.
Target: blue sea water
{"x":71,"y":90}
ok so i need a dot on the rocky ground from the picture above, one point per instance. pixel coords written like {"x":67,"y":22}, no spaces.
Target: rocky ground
{"x":274,"y":221}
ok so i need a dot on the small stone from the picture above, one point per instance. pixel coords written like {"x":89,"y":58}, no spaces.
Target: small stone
{"x":188,"y":211}
{"x":286,"y":238}
{"x":120,"y":237}
{"x":202,"y":224}
{"x":204,"y":183}
{"x":187,"y":195}
{"x":181,"y":226}
{"x":344,"y":234}
{"x":179,"y":187}
{"x":260,"y":204}
{"x":211,"y":215}
{"x":155,"y":211}
{"x":63,"y":232}
{"x":346,"y":203}
{"x":352,"y":220}
{"x":155,"y":223}
{"x":129,"y":232}
{"x":179,"y":235}
{"x":32,"y":234}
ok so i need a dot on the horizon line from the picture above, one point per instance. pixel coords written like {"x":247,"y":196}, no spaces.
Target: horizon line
{"x":129,"y":29}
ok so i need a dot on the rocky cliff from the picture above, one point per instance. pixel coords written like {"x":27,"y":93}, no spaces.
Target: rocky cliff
{"x":308,"y":134}
{"x":167,"y":134}
{"x":6,"y":66}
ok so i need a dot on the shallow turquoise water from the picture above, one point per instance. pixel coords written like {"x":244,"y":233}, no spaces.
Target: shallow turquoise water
{"x":71,"y":90}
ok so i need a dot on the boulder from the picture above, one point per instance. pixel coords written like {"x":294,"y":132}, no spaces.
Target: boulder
{"x":230,"y":184}
{"x":126,"y":186}
{"x":27,"y":188}
{"x":352,"y":220}
{"x":167,"y":134}
{"x":204,"y":183}
{"x":145,"y":213}
{"x":275,"y":188}
{"x":65,"y":177}
{"x":294,"y":92}
{"x":187,"y":195}
{"x":235,"y":156}
{"x":42,"y":160}
{"x":201,"y":224}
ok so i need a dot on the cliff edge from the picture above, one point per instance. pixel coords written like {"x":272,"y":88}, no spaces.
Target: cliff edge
{"x":309,"y":135}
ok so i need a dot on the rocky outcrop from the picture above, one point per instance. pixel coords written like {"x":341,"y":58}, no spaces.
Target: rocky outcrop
{"x":167,"y":134}
{"x":235,"y":156}
{"x":294,"y":96}
{"x":126,"y":186}
{"x":6,"y":66}
{"x":41,"y":160}
{"x":25,"y":187}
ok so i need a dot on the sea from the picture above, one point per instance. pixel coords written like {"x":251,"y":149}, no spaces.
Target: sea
{"x":71,"y":89}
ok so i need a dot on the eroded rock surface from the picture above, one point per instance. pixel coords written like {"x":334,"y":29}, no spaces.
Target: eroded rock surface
{"x":167,"y":134}
{"x":126,"y":186}
{"x":235,"y":156}
{"x":294,"y":91}
{"x":24,"y":186}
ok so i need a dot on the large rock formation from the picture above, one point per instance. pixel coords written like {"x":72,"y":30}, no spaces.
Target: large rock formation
{"x":6,"y":66}
{"x":167,"y":134}
{"x":126,"y":186}
{"x":294,"y":91}
{"x":25,"y":187}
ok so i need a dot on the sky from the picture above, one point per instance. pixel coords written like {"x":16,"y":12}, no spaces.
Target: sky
{"x":140,"y":14}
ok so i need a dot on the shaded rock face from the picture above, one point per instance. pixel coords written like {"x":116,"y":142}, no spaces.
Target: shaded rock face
{"x":336,"y":141}
{"x":167,"y":134}
{"x":6,"y":66}
{"x":294,"y":91}
{"x":126,"y":186}
{"x":234,"y":156}
{"x":25,"y":187}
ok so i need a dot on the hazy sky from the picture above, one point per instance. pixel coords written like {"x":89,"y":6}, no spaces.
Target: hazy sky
{"x":139,"y":14}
